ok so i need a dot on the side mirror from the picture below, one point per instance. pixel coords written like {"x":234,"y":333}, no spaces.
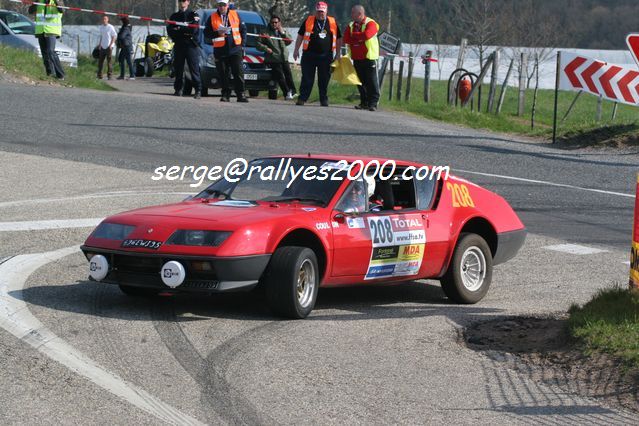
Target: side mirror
{"x":340,"y":218}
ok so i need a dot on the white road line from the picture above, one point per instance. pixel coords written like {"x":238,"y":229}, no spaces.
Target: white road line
{"x":543,"y":182}
{"x":16,"y":318}
{"x":575,"y":249}
{"x":89,"y":197}
{"x":627,"y":262}
{"x":38,"y":225}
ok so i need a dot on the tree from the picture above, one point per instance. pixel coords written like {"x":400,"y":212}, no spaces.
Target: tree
{"x":291,"y":12}
{"x":480,"y":22}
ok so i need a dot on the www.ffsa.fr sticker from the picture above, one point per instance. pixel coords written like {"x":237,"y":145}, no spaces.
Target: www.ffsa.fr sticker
{"x":398,"y":244}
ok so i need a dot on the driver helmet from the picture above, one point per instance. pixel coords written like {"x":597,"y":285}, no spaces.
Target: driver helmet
{"x":370,"y":185}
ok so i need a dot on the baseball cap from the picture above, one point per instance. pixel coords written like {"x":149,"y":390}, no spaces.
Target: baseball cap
{"x":321,"y":6}
{"x":223,"y":1}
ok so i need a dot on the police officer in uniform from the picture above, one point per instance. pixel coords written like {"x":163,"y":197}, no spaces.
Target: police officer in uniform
{"x":186,"y":47}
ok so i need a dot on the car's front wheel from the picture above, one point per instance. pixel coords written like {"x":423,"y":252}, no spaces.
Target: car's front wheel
{"x":470,"y":271}
{"x":138,"y":291}
{"x":291,"y":281}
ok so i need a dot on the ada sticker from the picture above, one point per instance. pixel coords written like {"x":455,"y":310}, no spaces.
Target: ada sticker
{"x":398,"y":246}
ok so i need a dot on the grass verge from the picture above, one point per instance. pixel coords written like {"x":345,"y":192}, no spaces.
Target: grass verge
{"x":27,"y":64}
{"x":580,"y":128}
{"x":609,"y":323}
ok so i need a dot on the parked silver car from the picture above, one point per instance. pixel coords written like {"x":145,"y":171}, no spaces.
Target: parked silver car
{"x":16,"y":30}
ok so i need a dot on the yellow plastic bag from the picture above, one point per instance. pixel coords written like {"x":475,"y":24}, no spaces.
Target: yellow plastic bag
{"x":344,"y":72}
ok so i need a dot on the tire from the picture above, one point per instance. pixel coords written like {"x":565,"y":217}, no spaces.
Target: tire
{"x":470,"y":271}
{"x":205,"y":91}
{"x":254,"y":93}
{"x":272,"y":94}
{"x":138,"y":291}
{"x":187,"y":88}
{"x":139,"y":67}
{"x":284,"y":295}
{"x":148,"y":67}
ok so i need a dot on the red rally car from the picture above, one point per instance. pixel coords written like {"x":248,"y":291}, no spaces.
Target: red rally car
{"x":292,"y":235}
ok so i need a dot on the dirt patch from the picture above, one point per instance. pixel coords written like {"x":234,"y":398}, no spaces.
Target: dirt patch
{"x":8,"y":77}
{"x":546,"y":353}
{"x":618,"y":136}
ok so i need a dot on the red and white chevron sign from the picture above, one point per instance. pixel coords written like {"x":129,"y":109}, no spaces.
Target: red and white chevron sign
{"x":613,"y":82}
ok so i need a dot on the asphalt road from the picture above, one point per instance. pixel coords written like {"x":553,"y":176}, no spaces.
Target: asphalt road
{"x":72,"y":351}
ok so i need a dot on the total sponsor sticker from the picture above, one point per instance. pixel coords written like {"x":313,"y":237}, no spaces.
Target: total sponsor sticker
{"x":398,"y":244}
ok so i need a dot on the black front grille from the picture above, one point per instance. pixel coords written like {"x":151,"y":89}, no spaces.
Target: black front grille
{"x":147,"y":265}
{"x":137,"y":264}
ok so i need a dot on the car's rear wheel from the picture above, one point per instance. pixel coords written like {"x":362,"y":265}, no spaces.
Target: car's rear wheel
{"x":138,"y":291}
{"x":470,"y":271}
{"x":139,"y":67}
{"x":254,"y":93}
{"x":291,"y":281}
{"x":149,"y":67}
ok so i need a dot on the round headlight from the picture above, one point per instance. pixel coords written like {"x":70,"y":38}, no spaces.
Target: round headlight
{"x":173,"y":274}
{"x":98,"y":267}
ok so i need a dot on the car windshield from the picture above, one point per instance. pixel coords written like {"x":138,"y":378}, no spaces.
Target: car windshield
{"x":251,"y":41}
{"x":18,"y":23}
{"x":272,"y":179}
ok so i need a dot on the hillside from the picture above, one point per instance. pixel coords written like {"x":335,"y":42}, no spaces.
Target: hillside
{"x":594,"y":24}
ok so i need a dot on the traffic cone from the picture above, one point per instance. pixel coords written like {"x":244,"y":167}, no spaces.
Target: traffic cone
{"x":634,"y":251}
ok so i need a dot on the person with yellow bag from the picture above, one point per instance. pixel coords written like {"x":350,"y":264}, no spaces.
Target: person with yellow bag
{"x":344,"y":73}
{"x":360,"y":37}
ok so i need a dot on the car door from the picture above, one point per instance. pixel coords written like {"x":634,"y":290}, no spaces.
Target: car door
{"x":383,"y":244}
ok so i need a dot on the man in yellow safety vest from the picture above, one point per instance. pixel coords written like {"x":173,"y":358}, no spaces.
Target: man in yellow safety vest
{"x":361,"y":38}
{"x":48,"y":27}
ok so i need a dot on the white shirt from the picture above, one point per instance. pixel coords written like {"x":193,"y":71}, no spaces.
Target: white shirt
{"x":107,"y":33}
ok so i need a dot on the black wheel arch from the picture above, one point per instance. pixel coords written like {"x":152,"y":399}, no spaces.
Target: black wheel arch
{"x":306,"y":238}
{"x":476,"y":225}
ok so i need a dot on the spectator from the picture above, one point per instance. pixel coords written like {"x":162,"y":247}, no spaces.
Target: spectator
{"x":361,"y":38}
{"x":322,"y":41}
{"x":108,"y":36}
{"x":125,"y":44}
{"x":186,"y":48}
{"x":48,"y":28}
{"x":277,"y":55}
{"x":229,"y":38}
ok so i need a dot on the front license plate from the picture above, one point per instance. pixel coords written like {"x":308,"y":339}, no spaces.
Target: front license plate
{"x":149,"y":244}
{"x":250,"y":76}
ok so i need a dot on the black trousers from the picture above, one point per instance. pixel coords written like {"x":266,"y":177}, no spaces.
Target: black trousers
{"x":125,"y":56}
{"x":312,"y":62}
{"x":191,"y":54}
{"x":282,"y":74}
{"x":105,"y":54}
{"x":234,"y":64}
{"x":366,"y":70}
{"x":51,"y":61}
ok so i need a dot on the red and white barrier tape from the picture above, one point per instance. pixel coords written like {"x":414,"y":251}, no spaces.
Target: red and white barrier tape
{"x":140,"y":18}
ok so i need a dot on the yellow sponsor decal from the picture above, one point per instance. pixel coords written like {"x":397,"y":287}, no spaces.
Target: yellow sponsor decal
{"x":460,"y":195}
{"x":411,"y":252}
{"x":634,"y":265}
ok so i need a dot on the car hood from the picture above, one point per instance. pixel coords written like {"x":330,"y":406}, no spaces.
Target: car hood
{"x":31,"y":41}
{"x":225,"y":215}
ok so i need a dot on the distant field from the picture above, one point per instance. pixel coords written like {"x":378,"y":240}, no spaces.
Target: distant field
{"x":580,"y":128}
